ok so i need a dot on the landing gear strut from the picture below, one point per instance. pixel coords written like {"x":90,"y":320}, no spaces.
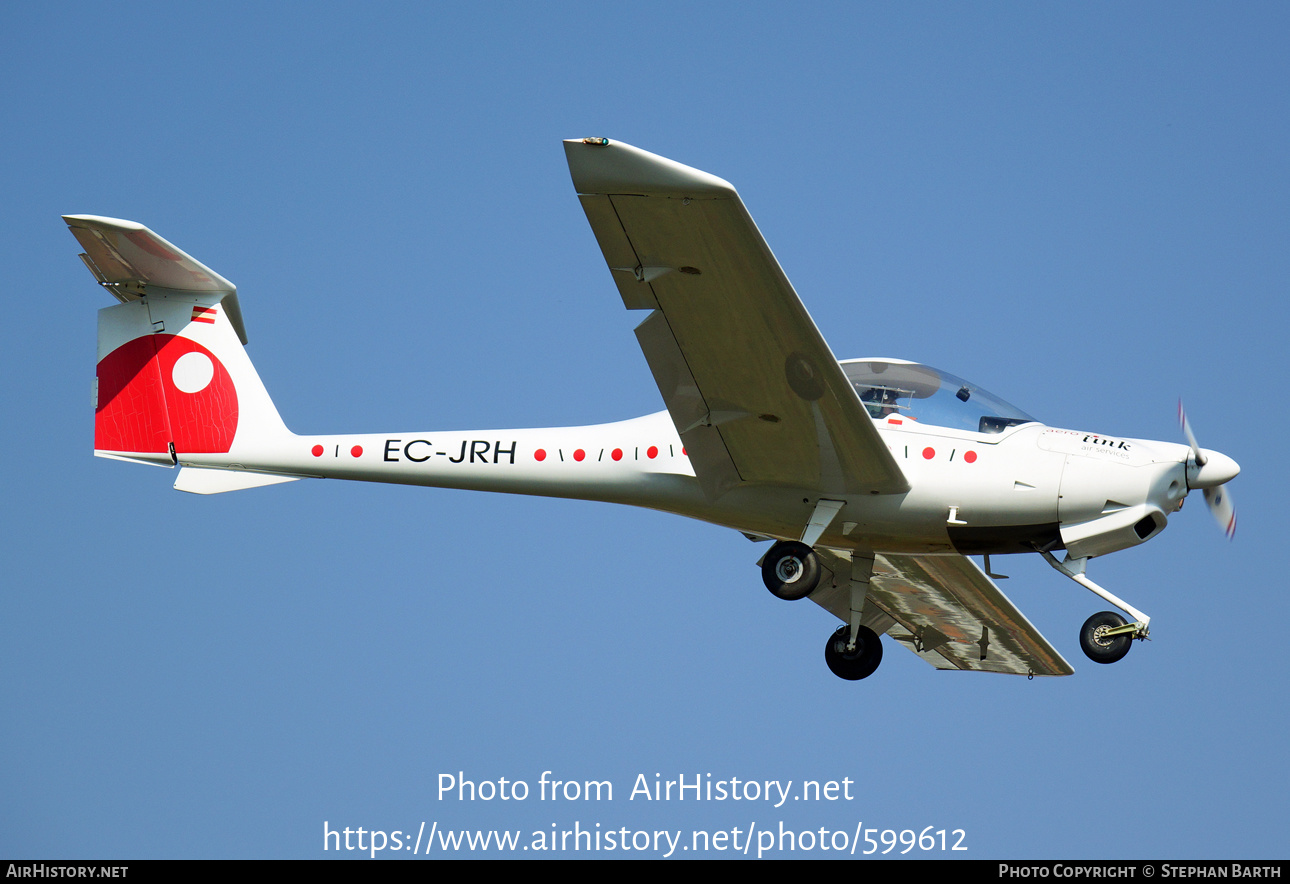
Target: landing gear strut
{"x":858,"y":663}
{"x":790,"y":570}
{"x":1106,"y":636}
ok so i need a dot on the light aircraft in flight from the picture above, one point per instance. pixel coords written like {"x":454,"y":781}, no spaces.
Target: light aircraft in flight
{"x":875,"y":478}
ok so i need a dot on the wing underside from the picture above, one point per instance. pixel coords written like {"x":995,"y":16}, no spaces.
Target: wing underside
{"x":946,"y":610}
{"x":750,"y":383}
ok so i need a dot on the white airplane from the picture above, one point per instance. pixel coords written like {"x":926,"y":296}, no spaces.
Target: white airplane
{"x":875,"y":478}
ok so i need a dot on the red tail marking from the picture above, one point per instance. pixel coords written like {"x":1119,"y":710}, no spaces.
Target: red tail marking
{"x":141,"y":409}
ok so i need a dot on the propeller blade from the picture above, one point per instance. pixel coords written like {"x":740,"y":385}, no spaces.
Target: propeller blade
{"x":1224,"y":509}
{"x":1217,"y":497}
{"x":1191,"y":437}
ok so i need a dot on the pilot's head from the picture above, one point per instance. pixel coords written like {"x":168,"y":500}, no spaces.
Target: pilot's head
{"x":880,"y":401}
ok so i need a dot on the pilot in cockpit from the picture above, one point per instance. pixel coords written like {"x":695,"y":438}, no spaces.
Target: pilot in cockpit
{"x":880,"y":401}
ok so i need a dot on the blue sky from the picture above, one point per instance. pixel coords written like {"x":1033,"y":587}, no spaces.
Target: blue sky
{"x":1081,"y":207}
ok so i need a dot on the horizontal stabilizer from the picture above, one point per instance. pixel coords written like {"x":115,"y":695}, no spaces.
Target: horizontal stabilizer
{"x":127,"y":258}
{"x":197,"y":480}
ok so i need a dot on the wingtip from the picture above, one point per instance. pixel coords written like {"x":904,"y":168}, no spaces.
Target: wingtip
{"x":101,"y":221}
{"x":601,"y":166}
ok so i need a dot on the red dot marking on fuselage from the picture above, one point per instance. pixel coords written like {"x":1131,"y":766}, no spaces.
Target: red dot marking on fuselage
{"x":579,"y":454}
{"x":683,"y":454}
{"x":929,"y":453}
{"x":652,"y":452}
{"x":969,"y":456}
{"x":317,"y":451}
{"x":539,"y":455}
{"x":357,"y":451}
{"x":617,"y":454}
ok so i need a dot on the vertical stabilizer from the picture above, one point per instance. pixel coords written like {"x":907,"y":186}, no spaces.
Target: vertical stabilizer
{"x":174,"y":380}
{"x":174,"y":383}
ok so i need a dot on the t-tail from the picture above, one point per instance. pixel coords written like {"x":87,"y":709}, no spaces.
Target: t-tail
{"x":173,"y":384}
{"x":175,"y":387}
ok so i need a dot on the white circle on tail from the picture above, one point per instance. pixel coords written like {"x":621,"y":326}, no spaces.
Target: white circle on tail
{"x":192,"y":372}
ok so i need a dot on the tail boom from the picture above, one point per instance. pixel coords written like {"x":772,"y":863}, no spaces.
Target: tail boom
{"x":175,"y":387}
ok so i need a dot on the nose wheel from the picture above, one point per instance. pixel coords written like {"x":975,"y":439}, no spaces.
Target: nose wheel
{"x":857,"y":663}
{"x":1106,"y":637}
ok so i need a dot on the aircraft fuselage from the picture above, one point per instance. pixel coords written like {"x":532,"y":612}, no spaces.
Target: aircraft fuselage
{"x":970,"y":493}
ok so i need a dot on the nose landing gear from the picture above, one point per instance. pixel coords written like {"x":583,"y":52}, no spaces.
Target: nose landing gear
{"x":1106,"y":636}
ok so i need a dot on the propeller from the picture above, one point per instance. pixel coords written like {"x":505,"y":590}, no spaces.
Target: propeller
{"x":1210,"y":471}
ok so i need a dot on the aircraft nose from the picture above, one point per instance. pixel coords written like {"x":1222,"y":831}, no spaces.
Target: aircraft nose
{"x":1218,"y":469}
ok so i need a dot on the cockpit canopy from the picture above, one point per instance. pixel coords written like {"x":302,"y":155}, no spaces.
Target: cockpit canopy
{"x":919,"y":392}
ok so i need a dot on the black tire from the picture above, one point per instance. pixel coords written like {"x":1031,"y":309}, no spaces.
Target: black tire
{"x":791,"y":570}
{"x":862,"y":662}
{"x":1102,"y":648}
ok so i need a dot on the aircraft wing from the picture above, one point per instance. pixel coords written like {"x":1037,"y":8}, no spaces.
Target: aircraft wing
{"x":128,"y":258}
{"x":947,"y":611}
{"x":751,"y":385}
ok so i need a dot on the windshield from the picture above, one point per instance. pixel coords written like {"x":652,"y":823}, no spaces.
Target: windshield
{"x":919,"y":392}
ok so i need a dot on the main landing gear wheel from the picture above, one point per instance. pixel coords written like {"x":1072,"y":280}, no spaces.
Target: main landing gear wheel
{"x":857,"y":664}
{"x":791,"y":570}
{"x":1100,"y":647}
